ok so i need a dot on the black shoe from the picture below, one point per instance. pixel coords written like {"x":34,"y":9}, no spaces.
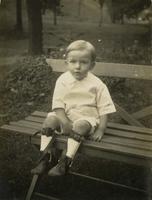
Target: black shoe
{"x":40,"y":168}
{"x":42,"y":165}
{"x":61,"y":168}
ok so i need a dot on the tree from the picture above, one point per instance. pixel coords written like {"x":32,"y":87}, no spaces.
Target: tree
{"x":1,"y":2}
{"x":35,"y":26}
{"x":101,"y":5}
{"x":116,"y":9}
{"x":19,"y":24}
{"x":106,"y":16}
{"x":128,"y":7}
{"x":80,"y":2}
{"x":147,"y":14}
{"x":54,"y":6}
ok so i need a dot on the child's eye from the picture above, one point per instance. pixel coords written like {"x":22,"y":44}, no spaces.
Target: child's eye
{"x":72,"y":61}
{"x":84,"y":62}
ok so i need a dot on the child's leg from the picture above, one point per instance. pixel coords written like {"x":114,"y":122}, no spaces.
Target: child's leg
{"x":51,"y":123}
{"x":80,"y":129}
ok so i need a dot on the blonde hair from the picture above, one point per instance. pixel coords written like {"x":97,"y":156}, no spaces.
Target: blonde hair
{"x":81,"y":45}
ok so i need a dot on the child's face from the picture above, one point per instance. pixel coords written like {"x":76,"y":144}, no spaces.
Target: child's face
{"x":79,"y":63}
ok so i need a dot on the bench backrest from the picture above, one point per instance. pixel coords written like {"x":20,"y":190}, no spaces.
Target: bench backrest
{"x":110,"y":69}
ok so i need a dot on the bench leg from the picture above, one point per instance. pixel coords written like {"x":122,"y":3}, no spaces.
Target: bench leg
{"x":32,"y":187}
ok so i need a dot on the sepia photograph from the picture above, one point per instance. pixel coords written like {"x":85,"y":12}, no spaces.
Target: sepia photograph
{"x":75,"y":99}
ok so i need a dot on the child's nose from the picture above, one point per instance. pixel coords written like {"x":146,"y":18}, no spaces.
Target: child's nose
{"x":78,"y":65}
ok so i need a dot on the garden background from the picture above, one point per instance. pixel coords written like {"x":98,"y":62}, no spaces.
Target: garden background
{"x":27,"y":83}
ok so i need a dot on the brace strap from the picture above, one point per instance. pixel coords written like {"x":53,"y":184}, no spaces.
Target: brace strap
{"x":76,"y":136}
{"x":48,"y":131}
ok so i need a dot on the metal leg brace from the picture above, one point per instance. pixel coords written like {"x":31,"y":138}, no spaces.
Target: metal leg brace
{"x":32,"y":187}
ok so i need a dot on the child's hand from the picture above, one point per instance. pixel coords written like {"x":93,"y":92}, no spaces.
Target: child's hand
{"x":97,"y":135}
{"x":67,"y":127}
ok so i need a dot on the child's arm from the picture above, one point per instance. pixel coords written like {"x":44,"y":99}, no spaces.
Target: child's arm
{"x":65,"y":121}
{"x":100,"y":129}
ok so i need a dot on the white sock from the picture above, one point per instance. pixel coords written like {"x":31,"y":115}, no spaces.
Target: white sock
{"x":72,"y":147}
{"x":44,"y":142}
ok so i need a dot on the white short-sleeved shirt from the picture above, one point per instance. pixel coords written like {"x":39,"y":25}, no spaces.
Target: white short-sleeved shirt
{"x":88,"y":98}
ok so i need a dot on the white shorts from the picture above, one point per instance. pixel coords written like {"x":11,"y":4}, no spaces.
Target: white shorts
{"x":91,"y":120}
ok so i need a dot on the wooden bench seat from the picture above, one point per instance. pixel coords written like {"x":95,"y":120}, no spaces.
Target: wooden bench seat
{"x":120,"y":142}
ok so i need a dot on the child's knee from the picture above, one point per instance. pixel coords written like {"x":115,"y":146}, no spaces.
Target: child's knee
{"x":51,"y":121}
{"x":81,"y":127}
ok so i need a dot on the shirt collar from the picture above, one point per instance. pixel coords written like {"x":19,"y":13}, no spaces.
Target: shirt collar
{"x":72,"y":79}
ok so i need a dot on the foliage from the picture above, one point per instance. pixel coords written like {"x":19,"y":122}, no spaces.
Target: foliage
{"x":28,"y":86}
{"x":128,"y":7}
{"x":51,"y":4}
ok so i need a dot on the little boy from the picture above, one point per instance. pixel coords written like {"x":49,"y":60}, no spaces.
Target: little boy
{"x":81,"y":102}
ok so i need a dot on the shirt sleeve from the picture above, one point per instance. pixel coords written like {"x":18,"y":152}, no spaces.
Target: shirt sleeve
{"x":105,"y":104}
{"x":58,"y":95}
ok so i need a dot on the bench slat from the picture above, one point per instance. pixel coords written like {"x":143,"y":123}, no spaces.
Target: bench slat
{"x":110,"y":69}
{"x":107,"y":138}
{"x":110,"y":124}
{"x":127,"y":117}
{"x":128,"y":142}
{"x":19,"y":129}
{"x":117,"y":148}
{"x":35,"y":119}
{"x":143,"y":113}
{"x":39,"y":114}
{"x":103,"y":146}
{"x":130,"y":128}
{"x":114,"y":139}
{"x":105,"y":154}
{"x":27,"y":124}
{"x":127,"y":134}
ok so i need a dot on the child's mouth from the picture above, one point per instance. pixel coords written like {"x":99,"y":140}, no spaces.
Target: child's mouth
{"x":77,"y":73}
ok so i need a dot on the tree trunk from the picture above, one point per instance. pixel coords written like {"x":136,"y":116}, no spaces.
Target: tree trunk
{"x":107,"y":13}
{"x":55,"y":14}
{"x":1,"y":2}
{"x":150,"y":41}
{"x":150,"y":23}
{"x":101,"y":11}
{"x":35,"y":26}
{"x":19,"y":24}
{"x":79,"y":7}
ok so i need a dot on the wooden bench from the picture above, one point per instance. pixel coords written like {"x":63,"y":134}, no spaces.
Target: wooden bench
{"x":130,"y":143}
